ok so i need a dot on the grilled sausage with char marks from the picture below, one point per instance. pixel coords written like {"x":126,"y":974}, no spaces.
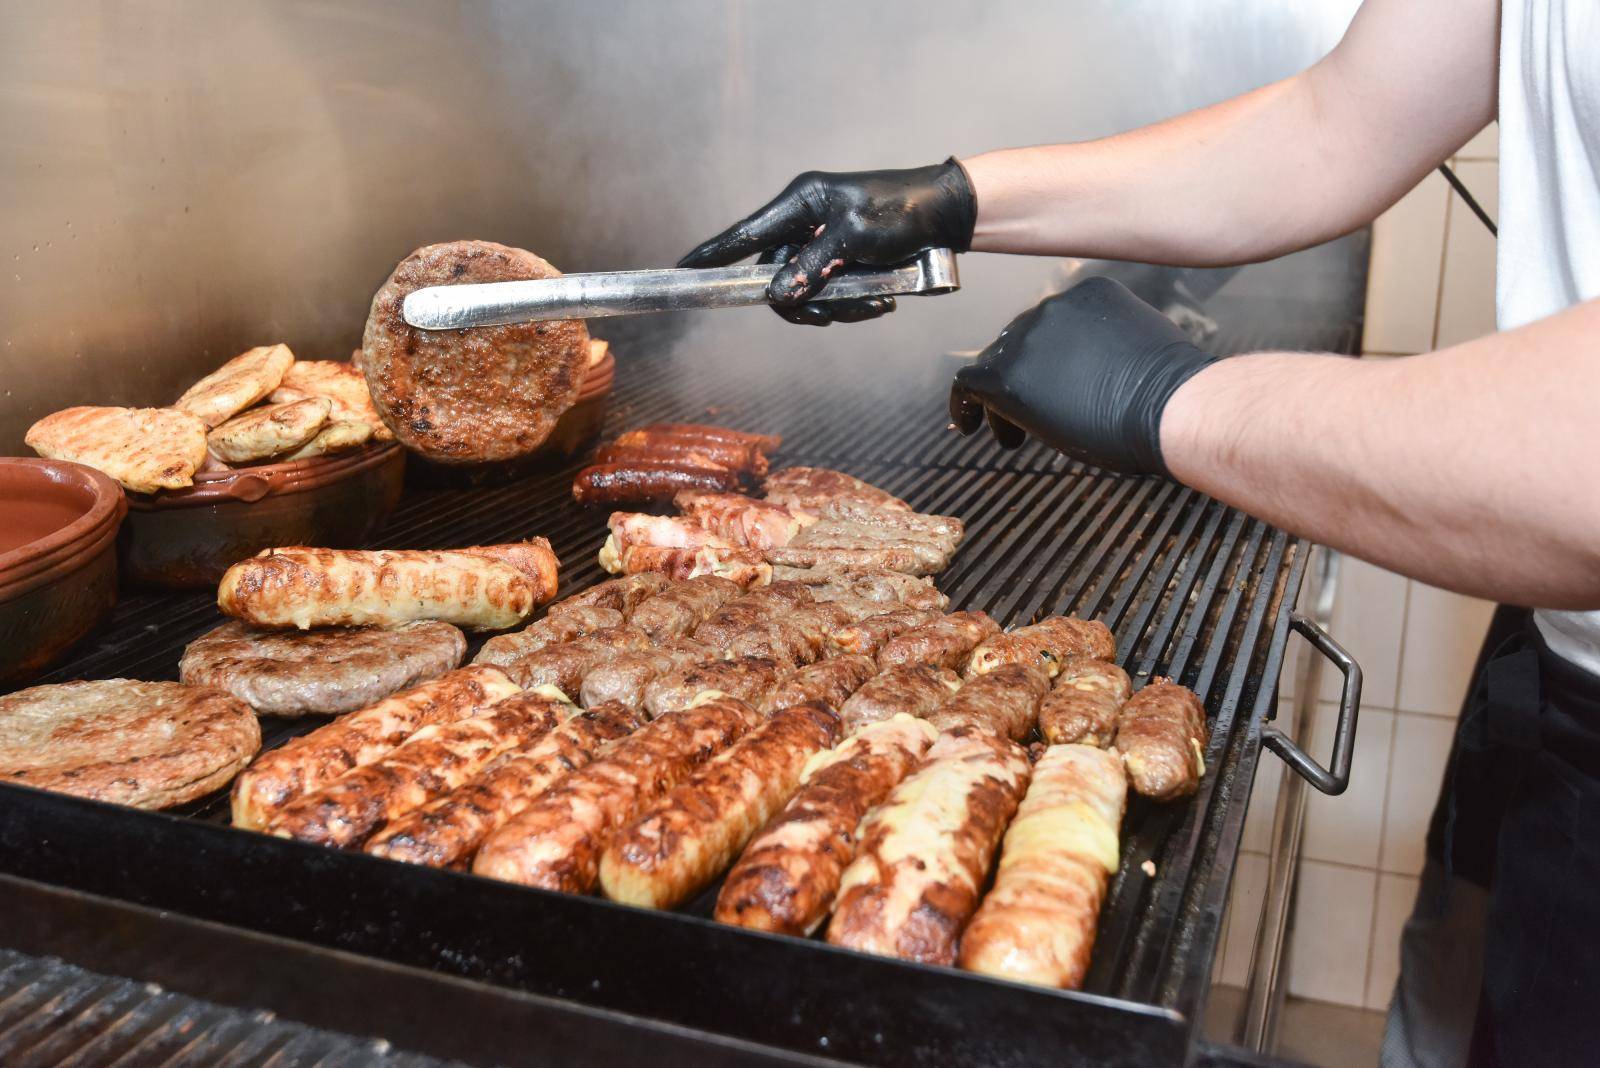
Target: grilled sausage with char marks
{"x":647,"y":482}
{"x":677,"y":610}
{"x":746,"y":678}
{"x":913,"y":690}
{"x":946,"y":642}
{"x":1046,"y":643}
{"x":869,"y":635}
{"x":1085,"y":702}
{"x":1162,"y":737}
{"x":829,"y":681}
{"x":1005,"y":701}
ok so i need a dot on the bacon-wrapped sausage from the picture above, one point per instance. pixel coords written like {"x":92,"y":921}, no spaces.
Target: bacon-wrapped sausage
{"x":556,"y":842}
{"x":677,"y":610}
{"x":645,"y":482}
{"x":313,"y":760}
{"x":743,"y":520}
{"x":1162,"y":737}
{"x":787,"y":878}
{"x":1046,"y":643}
{"x":746,"y":679}
{"x":1037,"y":924}
{"x":946,"y":642}
{"x":1084,"y":703}
{"x":926,"y":851}
{"x":913,"y":690}
{"x":830,"y":682}
{"x":1005,"y":701}
{"x":677,"y":846}
{"x":446,"y":833}
{"x":869,"y":635}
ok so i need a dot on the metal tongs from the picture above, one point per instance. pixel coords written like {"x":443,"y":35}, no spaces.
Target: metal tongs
{"x":590,"y":296}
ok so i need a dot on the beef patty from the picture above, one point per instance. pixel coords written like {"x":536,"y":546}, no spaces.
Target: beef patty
{"x":328,"y":671}
{"x":466,"y":396}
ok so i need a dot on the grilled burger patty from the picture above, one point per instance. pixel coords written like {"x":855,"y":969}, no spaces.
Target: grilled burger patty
{"x":319,"y":672}
{"x":465,"y":396}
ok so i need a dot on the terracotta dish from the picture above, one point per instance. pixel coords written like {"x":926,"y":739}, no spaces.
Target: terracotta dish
{"x":58,"y":562}
{"x":187,"y":538}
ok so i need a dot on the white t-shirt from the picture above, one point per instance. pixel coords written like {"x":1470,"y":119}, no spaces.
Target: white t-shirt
{"x":1549,"y":249}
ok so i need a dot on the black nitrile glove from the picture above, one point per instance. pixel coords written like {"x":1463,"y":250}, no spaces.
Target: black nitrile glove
{"x":822,"y":223}
{"x":1088,"y":372}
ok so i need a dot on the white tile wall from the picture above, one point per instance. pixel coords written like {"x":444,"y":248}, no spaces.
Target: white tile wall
{"x":1395,"y":895}
{"x":1403,"y":275}
{"x":1244,"y":916}
{"x":1421,"y":750}
{"x":1331,"y":938}
{"x":1348,"y":829}
{"x":1466,"y":292}
{"x":1443,"y":633}
{"x":1485,"y":145}
{"x":1369,"y":619}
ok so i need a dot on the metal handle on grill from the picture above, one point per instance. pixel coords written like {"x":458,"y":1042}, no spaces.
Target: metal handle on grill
{"x":1333,"y":781}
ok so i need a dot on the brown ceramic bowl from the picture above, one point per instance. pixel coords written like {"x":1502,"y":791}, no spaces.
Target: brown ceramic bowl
{"x":187,"y":538}
{"x":58,"y":562}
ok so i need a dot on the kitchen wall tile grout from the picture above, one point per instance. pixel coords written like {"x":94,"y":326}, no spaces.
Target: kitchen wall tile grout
{"x":1444,"y":259}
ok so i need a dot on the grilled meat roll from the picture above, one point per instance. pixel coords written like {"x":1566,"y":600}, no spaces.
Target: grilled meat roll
{"x":313,"y":760}
{"x":1005,"y":701}
{"x":623,"y":678}
{"x":830,"y":682}
{"x":946,"y":642}
{"x":565,"y":665}
{"x":554,"y":629}
{"x":945,"y":527}
{"x":912,"y":690}
{"x":622,"y":595}
{"x":1047,"y":643}
{"x":646,"y":482}
{"x":556,"y":842}
{"x":1084,"y":703}
{"x":674,"y":848}
{"x":799,"y":636}
{"x":930,"y":552}
{"x":1162,"y":737}
{"x":925,"y":851}
{"x":908,"y":560}
{"x":427,"y":765}
{"x":831,"y":582}
{"x":786,"y":879}
{"x":756,"y":606}
{"x":1037,"y":924}
{"x":446,"y":832}
{"x":746,"y":679}
{"x":488,"y":587}
{"x":867,"y":636}
{"x":682,"y":606}
{"x":698,"y":432}
{"x":746,"y":567}
{"x":745,"y":459}
{"x":743,"y":520}
{"x":810,"y":487}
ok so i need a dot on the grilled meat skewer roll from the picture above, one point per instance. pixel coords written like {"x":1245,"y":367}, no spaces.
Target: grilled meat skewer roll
{"x":622,"y":595}
{"x":926,"y":851}
{"x":913,"y":690}
{"x":623,"y":678}
{"x":678,"y":845}
{"x":445,"y":833}
{"x":788,"y":876}
{"x":1005,"y":701}
{"x":746,"y":679}
{"x":1037,"y":924}
{"x":946,"y":642}
{"x":556,"y":842}
{"x":799,"y":636}
{"x":566,"y":664}
{"x":756,"y":606}
{"x":809,"y":487}
{"x":1162,"y":737}
{"x":682,"y":606}
{"x":831,"y":582}
{"x":1046,"y":643}
{"x":1084,"y":703}
{"x":743,"y":520}
{"x":830,"y":682}
{"x":867,"y":636}
{"x":554,"y":629}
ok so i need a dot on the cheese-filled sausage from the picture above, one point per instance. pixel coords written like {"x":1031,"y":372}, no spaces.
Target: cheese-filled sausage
{"x":1005,"y":701}
{"x":645,"y":482}
{"x":624,"y":677}
{"x":556,"y":842}
{"x":746,"y":679}
{"x":1162,"y":737}
{"x":828,"y":681}
{"x":675,"y":847}
{"x":926,"y":851}
{"x":447,"y":832}
{"x":869,"y":635}
{"x":786,"y":879}
{"x":427,"y":765}
{"x":913,"y":690}
{"x":313,"y":760}
{"x":1046,"y":643}
{"x":1084,"y":703}
{"x":1037,"y":924}
{"x":553,"y":629}
{"x":946,"y":642}
{"x":683,"y":605}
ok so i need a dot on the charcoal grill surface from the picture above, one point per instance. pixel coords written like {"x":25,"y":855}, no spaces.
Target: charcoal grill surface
{"x":1192,"y":589}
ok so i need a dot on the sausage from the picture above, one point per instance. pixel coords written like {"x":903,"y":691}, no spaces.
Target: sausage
{"x":564,"y":665}
{"x":643,"y":481}
{"x":622,"y":595}
{"x":677,"y":610}
{"x":755,"y":607}
{"x":313,"y":760}
{"x":729,"y":456}
{"x":427,"y":765}
{"x":890,"y":588}
{"x":946,"y":642}
{"x":913,"y":690}
{"x":1162,"y":737}
{"x":830,"y":682}
{"x":1005,"y":701}
{"x":678,"y":845}
{"x":1037,"y":924}
{"x":889,"y":557}
{"x":556,"y":842}
{"x":1085,"y":702}
{"x":926,"y":850}
{"x":746,"y":679}
{"x":929,"y":551}
{"x":786,"y":880}
{"x":869,"y":635}
{"x":798,"y":636}
{"x":686,"y":432}
{"x":553,"y":629}
{"x":1047,"y":643}
{"x":623,"y":678}
{"x":447,"y":832}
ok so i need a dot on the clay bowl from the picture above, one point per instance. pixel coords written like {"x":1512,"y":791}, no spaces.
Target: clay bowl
{"x":58,"y":561}
{"x":186,"y":539}
{"x":573,"y":432}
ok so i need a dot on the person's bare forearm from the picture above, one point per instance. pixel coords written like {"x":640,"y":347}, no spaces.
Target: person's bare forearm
{"x":1278,"y":169}
{"x":1473,"y":468}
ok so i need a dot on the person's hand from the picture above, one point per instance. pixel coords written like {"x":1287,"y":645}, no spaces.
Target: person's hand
{"x":824,"y":223}
{"x":1088,"y":372}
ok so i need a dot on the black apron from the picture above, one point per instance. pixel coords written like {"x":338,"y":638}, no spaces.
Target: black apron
{"x":1520,"y":810}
